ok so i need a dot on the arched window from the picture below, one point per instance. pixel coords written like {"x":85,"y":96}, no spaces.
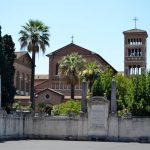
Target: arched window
{"x":27,"y":83}
{"x":129,"y":52}
{"x":22,"y":82}
{"x":128,"y":41}
{"x":56,"y":69}
{"x":17,"y":81}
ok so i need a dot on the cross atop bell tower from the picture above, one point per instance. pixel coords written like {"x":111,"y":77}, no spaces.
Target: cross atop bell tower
{"x":135,"y":20}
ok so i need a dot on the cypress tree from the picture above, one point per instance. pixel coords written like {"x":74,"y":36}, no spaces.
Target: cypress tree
{"x":7,"y":55}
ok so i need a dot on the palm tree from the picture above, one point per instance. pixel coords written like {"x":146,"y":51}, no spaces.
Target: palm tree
{"x":70,"y":67}
{"x":91,"y":72}
{"x":35,"y":37}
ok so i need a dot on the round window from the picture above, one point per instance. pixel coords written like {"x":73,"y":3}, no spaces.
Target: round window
{"x":47,"y":96}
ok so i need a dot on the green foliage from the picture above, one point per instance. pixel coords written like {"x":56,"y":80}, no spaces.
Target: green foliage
{"x":41,"y":106}
{"x":133,"y":92}
{"x":73,"y":106}
{"x":97,"y":87}
{"x":17,"y":106}
{"x":102,"y":86}
{"x":90,"y":73}
{"x":124,"y":92}
{"x":141,"y":102}
{"x":69,"y":68}
{"x":107,"y":77}
{"x":35,"y":37}
{"x":7,"y":55}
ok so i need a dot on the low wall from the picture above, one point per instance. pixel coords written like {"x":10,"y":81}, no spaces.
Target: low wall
{"x":56,"y":127}
{"x":129,"y":129}
{"x":11,"y":127}
{"x":28,"y":126}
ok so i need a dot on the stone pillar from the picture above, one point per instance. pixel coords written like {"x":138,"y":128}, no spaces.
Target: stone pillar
{"x":113,"y":96}
{"x":84,"y":93}
{"x":25,"y":80}
{"x":0,"y":93}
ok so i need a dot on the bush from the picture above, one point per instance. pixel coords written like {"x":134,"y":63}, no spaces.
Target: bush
{"x":65,"y":108}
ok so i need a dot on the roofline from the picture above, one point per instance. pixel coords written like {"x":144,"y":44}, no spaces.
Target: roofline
{"x":91,"y":52}
{"x":25,"y":53}
{"x":107,"y":62}
{"x":138,"y":31}
{"x":50,"y":90}
{"x":46,"y":75}
{"x":41,"y":82}
{"x":52,"y":53}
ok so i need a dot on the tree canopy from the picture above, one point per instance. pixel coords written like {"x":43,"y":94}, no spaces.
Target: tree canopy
{"x":133,"y":92}
{"x":7,"y":70}
{"x":90,"y":73}
{"x":35,"y":37}
{"x":69,"y":68}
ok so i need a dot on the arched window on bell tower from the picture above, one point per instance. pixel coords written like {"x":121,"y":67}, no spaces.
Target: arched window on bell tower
{"x":135,"y":50}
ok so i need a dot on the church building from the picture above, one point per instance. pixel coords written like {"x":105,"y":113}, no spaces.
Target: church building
{"x":50,"y":86}
{"x":50,"y":89}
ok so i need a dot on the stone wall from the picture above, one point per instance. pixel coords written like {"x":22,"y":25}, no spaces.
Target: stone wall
{"x":119,"y":129}
{"x":11,"y":127}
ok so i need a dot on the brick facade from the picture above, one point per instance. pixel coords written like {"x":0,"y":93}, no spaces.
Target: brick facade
{"x":22,"y":77}
{"x":55,"y":82}
{"x":135,"y":51}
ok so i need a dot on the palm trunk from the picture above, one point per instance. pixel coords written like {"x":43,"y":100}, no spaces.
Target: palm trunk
{"x":32,"y":82}
{"x":90,"y":86}
{"x":72,"y":91}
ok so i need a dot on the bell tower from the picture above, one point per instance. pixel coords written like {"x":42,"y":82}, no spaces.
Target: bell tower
{"x":135,"y":51}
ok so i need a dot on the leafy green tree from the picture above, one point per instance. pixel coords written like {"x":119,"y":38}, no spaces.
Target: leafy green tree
{"x":141,"y":105}
{"x":91,"y":72}
{"x":97,"y":88}
{"x":102,"y":85}
{"x":67,"y":107}
{"x":35,"y":37}
{"x":8,"y":89}
{"x":124,"y":93}
{"x":69,"y":69}
{"x":106,"y":77}
{"x":133,"y":94}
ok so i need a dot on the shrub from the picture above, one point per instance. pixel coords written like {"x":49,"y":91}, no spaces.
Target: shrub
{"x":64,"y":108}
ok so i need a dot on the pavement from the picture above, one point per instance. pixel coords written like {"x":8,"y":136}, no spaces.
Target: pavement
{"x":70,"y":145}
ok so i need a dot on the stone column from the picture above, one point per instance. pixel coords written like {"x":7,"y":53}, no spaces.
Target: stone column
{"x":25,"y":85}
{"x":20,"y":78}
{"x":113,"y":96}
{"x":84,"y":93}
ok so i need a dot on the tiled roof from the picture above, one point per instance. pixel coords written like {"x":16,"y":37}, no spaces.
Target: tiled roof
{"x":41,"y":76}
{"x":50,"y":90}
{"x":135,"y":31}
{"x":22,"y":53}
{"x":76,"y":48}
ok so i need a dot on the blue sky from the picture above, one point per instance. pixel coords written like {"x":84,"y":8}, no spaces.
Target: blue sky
{"x":96,"y":24}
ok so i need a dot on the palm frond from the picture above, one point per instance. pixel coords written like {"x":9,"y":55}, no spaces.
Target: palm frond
{"x":34,"y":36}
